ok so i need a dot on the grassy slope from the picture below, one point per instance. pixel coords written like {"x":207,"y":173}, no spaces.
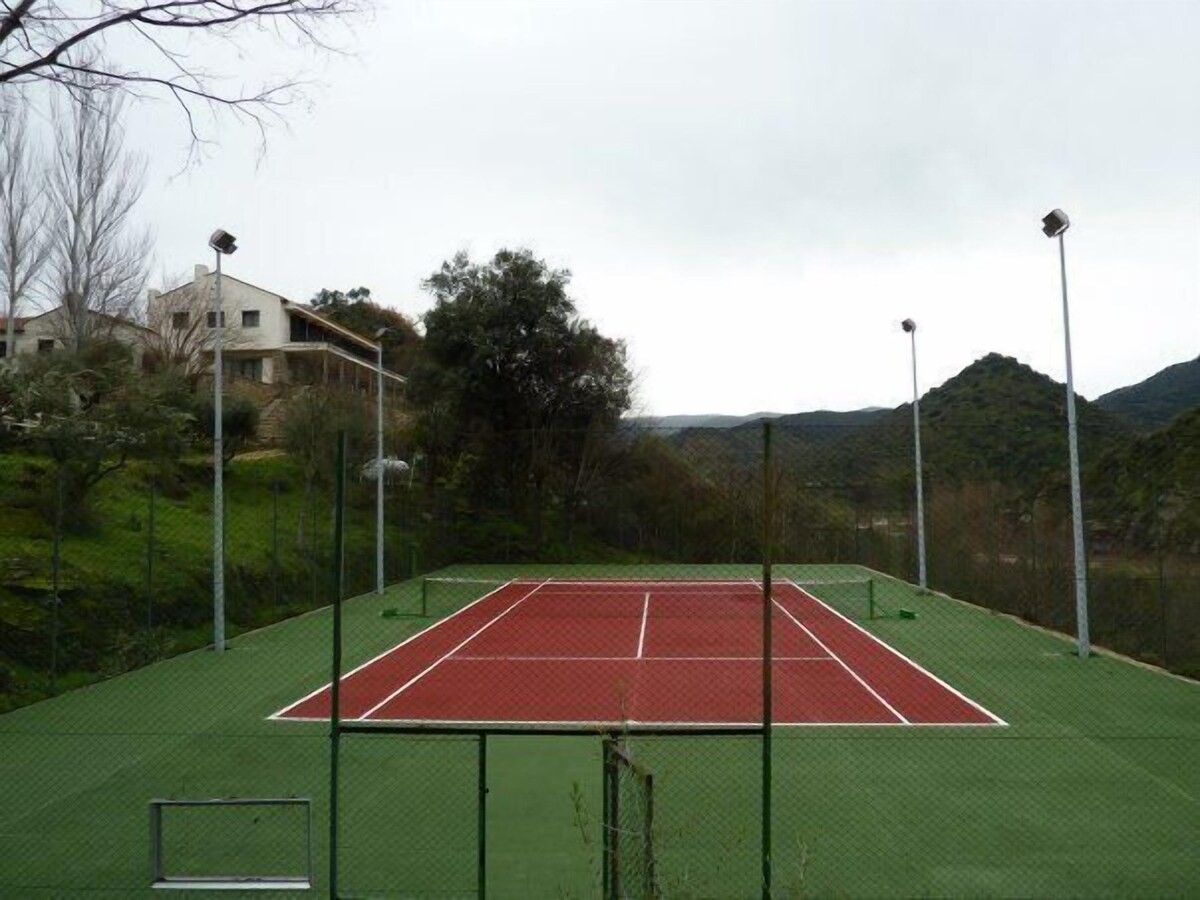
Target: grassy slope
{"x":109,"y":557}
{"x":1092,"y":790}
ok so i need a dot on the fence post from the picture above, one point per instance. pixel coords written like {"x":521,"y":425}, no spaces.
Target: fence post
{"x":150,"y":566}
{"x":312,"y":546}
{"x":54,"y":571}
{"x":1033,"y":559}
{"x":481,"y":873}
{"x":1162,"y":594}
{"x":335,"y":690}
{"x":768,"y":512}
{"x":275,"y":541}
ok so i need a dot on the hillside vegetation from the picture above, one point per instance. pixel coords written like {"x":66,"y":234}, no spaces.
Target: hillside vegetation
{"x":520,"y":454}
{"x":1155,"y":401}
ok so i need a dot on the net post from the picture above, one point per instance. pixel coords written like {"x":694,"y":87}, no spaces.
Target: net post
{"x":871,"y":598}
{"x":424,"y":597}
{"x":335,"y":723}
{"x":768,"y":516}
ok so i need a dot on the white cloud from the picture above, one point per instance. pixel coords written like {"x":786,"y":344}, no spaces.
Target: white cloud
{"x":751,"y":194}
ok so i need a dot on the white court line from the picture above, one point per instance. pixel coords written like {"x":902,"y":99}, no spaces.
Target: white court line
{"x":874,"y":693}
{"x":642,"y":636}
{"x":587,"y":726}
{"x":754,"y":659}
{"x":995,"y":718}
{"x":400,"y":690}
{"x":642,"y":583}
{"x":387,"y":652}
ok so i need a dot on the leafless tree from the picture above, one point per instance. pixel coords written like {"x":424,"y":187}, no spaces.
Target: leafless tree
{"x":179,"y":335}
{"x":97,"y":266}
{"x":66,"y":42}
{"x":23,"y":247}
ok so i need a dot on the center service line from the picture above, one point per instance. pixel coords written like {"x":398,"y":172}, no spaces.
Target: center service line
{"x":642,"y":636}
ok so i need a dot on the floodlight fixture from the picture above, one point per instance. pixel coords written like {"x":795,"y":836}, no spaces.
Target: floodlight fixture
{"x":908,"y":325}
{"x":223,"y":242}
{"x":1055,"y":223}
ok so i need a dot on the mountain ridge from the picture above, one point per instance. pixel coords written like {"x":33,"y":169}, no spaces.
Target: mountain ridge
{"x":1155,"y":401}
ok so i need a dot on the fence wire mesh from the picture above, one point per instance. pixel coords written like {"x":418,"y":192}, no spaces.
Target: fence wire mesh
{"x":545,"y":592}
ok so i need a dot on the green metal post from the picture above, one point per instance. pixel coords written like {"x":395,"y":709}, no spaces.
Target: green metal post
{"x":604,"y":820}
{"x":55,"y":564}
{"x":275,"y":541}
{"x":150,"y":567}
{"x":871,"y":598}
{"x":335,"y":722}
{"x":1162,"y":580}
{"x":481,"y":874}
{"x":768,"y":656}
{"x":648,"y":838}
{"x":608,"y":819}
{"x":312,"y":547}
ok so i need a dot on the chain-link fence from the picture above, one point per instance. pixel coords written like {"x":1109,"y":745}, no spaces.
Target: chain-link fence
{"x":736,"y":609}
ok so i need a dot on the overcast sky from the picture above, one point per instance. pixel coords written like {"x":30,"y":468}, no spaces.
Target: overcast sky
{"x":751,"y":195}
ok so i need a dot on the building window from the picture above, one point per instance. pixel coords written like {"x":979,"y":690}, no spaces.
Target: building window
{"x":3,"y":349}
{"x":250,"y":318}
{"x":45,"y":345}
{"x":251,"y":369}
{"x":212,"y":319}
{"x":179,"y":321}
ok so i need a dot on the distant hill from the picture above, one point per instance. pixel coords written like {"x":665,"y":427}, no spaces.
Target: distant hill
{"x":1160,"y":398}
{"x":1169,"y":461}
{"x":709,"y":420}
{"x":996,"y":420}
{"x":825,"y":423}
{"x":1000,"y":419}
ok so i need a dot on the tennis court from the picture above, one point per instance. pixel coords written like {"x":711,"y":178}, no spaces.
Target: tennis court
{"x":642,"y":653}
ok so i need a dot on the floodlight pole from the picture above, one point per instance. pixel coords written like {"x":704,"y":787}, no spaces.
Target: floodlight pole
{"x":1081,"y":604}
{"x":911,"y":327}
{"x":379,"y":586}
{"x":218,"y":474}
{"x":222,"y":243}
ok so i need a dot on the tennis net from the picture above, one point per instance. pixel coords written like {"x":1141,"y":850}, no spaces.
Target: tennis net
{"x":616,"y":598}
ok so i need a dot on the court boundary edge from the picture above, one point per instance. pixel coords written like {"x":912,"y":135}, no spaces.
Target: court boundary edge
{"x":996,"y":720}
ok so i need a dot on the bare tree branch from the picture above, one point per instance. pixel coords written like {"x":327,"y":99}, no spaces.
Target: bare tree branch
{"x":180,"y":337}
{"x":98,"y":263}
{"x":23,"y":248}
{"x":49,"y":41}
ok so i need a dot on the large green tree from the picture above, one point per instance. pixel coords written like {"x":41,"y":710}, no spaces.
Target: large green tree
{"x":90,"y":412}
{"x":354,"y":309}
{"x":516,"y":385}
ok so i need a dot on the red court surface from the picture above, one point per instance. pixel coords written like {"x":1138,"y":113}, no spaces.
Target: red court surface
{"x":619,"y":654}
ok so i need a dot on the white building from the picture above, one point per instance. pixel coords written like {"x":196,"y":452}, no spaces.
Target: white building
{"x":267,"y":338}
{"x":47,"y":331}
